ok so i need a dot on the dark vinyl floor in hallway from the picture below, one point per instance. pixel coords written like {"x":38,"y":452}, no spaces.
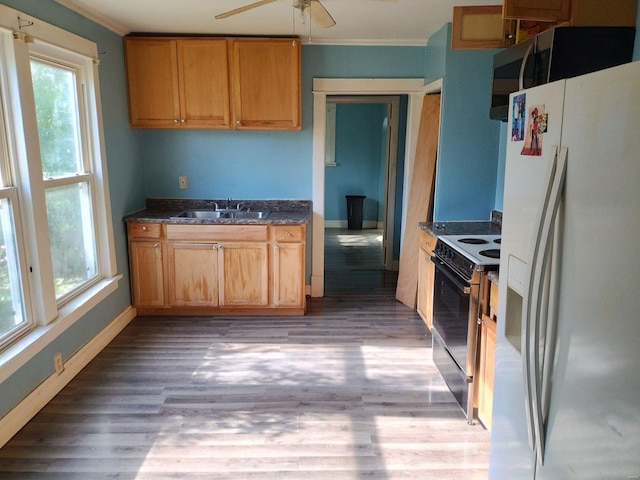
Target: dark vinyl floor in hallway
{"x":347,"y":391}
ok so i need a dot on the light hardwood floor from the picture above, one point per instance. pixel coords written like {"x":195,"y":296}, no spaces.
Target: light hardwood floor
{"x":347,"y":391}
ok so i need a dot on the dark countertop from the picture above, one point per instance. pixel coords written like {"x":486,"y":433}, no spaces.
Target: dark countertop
{"x":161,"y":210}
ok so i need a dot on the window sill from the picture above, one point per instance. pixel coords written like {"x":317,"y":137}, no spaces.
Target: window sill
{"x":35,"y":341}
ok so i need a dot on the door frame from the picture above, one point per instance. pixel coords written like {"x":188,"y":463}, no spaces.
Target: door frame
{"x":323,"y":87}
{"x":391,"y":163}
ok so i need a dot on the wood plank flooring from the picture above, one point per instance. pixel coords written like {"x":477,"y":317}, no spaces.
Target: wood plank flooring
{"x":347,"y":391}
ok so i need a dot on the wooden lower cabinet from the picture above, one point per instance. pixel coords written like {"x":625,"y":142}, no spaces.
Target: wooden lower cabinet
{"x":147,"y":278}
{"x":487,"y":356}
{"x":426,"y":273}
{"x":485,"y":372}
{"x":209,"y":269}
{"x":193,"y":274}
{"x":244,"y":274}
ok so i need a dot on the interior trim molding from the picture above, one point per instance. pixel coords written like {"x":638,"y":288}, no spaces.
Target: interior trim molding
{"x":323,"y":87}
{"x":18,"y":417}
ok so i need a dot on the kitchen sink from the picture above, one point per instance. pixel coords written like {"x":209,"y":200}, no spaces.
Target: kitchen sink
{"x":213,"y":214}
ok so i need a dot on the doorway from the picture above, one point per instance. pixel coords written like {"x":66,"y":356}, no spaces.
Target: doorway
{"x":322,"y":89}
{"x":361,"y":159}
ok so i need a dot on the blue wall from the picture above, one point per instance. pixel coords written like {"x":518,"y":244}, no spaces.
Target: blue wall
{"x":467,"y":163}
{"x":360,"y":156}
{"x":126,"y":177}
{"x":251,"y":165}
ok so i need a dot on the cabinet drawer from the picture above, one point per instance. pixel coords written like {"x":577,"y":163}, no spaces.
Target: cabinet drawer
{"x":288,"y":233}
{"x":218,"y":233}
{"x":428,"y":242}
{"x":144,"y":230}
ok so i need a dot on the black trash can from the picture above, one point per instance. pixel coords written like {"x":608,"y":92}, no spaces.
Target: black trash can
{"x":355,"y":211}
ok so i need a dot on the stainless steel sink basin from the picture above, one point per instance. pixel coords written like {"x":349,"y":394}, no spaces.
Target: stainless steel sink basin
{"x":214,"y":214}
{"x":256,"y":214}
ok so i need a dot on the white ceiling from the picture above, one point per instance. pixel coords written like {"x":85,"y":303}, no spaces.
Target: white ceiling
{"x":363,"y":22}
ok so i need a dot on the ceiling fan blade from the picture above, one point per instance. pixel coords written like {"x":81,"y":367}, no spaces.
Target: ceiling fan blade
{"x":320,"y":16}
{"x":243,"y":9}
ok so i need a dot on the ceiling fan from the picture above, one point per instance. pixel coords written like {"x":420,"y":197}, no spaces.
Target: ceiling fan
{"x":318,"y":13}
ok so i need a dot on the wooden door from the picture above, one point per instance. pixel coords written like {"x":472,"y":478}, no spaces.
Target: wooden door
{"x":244,"y":276}
{"x":420,"y":198}
{"x":266,"y":84}
{"x":193,"y":274}
{"x":152,"y":78}
{"x":542,"y":10}
{"x":204,"y":83}
{"x":147,"y":279}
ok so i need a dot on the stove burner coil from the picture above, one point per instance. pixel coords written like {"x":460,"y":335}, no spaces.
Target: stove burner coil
{"x":491,"y":253}
{"x":473,"y":241}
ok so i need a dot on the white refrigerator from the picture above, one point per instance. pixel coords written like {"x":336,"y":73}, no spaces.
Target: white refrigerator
{"x":567,"y":371}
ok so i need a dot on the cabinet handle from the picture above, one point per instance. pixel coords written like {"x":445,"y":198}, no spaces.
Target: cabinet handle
{"x":287,"y":233}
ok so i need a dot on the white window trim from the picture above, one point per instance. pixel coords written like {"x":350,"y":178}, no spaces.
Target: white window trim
{"x":53,"y":320}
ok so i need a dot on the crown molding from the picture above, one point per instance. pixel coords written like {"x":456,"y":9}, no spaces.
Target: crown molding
{"x":95,"y":16}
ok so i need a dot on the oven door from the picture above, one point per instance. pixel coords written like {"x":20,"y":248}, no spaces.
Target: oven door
{"x":455,"y":311}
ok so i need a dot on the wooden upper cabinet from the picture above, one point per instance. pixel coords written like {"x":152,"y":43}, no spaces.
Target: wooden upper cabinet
{"x":152,"y":81}
{"x":178,"y":82}
{"x":204,"y":82}
{"x":481,"y":27}
{"x":542,"y":10}
{"x":265,"y":75}
{"x":620,"y":13}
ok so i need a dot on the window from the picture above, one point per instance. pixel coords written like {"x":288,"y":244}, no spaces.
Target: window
{"x":56,"y":241}
{"x":65,"y":174}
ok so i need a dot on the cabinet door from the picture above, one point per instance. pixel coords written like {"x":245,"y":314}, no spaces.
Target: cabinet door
{"x":147,"y":279}
{"x":426,"y":273}
{"x":266,"y":84}
{"x":481,"y":27}
{"x":204,"y":83}
{"x":542,"y":10}
{"x":288,"y":274}
{"x":486,"y":370}
{"x":152,"y":81}
{"x":193,"y":274}
{"x":244,"y":274}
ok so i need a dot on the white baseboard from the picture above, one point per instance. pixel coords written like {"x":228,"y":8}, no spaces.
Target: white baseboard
{"x":18,"y":417}
{"x":345,"y":224}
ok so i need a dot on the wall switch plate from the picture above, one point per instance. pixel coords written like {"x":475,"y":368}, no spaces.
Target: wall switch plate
{"x":182,"y":182}
{"x":57,"y":361}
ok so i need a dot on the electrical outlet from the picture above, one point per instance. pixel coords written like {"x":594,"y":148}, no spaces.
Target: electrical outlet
{"x":57,"y":361}
{"x":182,"y":182}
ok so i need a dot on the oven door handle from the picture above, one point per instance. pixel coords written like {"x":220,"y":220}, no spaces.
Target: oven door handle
{"x":455,"y":279}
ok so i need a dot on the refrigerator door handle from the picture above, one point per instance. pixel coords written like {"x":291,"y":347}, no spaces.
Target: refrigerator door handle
{"x":541,"y":254}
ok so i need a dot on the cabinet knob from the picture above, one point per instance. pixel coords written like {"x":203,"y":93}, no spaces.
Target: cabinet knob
{"x":175,"y":120}
{"x":156,"y":245}
{"x":144,"y":229}
{"x":238,"y":122}
{"x":287,"y":233}
{"x":182,"y":120}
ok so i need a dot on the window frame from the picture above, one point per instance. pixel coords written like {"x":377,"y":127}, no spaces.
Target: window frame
{"x":20,"y":36}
